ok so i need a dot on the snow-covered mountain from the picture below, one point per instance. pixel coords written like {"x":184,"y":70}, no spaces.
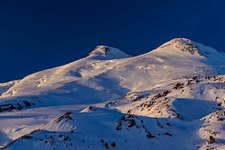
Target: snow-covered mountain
{"x":172,"y":97}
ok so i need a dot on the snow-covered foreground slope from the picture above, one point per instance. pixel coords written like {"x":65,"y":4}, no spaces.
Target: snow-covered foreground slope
{"x":170,"y":98}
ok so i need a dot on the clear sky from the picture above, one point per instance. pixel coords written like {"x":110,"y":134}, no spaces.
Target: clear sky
{"x":40,"y":34}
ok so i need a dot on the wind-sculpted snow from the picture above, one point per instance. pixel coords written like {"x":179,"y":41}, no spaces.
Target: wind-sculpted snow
{"x":170,"y":98}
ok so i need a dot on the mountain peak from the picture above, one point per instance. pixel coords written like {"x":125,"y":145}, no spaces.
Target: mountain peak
{"x":107,"y":52}
{"x":184,"y":45}
{"x":101,"y":50}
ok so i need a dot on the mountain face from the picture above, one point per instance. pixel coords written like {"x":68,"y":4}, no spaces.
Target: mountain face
{"x":172,"y":97}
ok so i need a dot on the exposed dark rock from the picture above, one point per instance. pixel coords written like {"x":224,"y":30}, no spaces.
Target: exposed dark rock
{"x":113,"y":144}
{"x":211,"y":140}
{"x":169,"y":134}
{"x":131,"y":123}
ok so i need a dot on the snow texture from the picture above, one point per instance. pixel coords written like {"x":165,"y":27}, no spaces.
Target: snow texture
{"x":170,"y":98}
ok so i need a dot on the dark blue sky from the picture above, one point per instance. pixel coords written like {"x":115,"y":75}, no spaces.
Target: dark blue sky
{"x":40,"y":34}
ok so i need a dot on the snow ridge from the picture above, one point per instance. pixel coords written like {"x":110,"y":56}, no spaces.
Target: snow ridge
{"x":170,"y":98}
{"x":107,"y":52}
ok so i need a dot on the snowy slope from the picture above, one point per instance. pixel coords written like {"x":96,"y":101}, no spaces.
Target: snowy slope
{"x":110,"y":100}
